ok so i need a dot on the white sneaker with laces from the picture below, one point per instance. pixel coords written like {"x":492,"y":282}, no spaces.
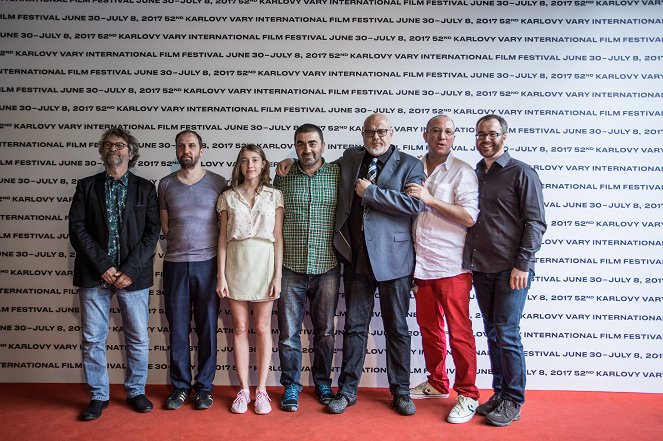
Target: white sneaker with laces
{"x":425,"y":390}
{"x":261,"y":405}
{"x":241,"y":403}
{"x":463,"y":410}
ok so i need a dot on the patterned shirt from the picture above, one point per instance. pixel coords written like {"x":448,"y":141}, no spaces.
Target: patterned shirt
{"x":116,"y":201}
{"x":308,"y":219}
{"x":246,"y":222}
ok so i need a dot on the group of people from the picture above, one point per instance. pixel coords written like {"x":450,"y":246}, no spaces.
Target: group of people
{"x":393,"y":223}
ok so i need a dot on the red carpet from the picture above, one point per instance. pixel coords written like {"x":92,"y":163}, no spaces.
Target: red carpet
{"x":50,"y":411}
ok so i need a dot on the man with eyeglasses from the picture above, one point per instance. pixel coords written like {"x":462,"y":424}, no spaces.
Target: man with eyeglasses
{"x":373,"y":233}
{"x":114,"y":227}
{"x":187,"y":207}
{"x":442,"y":287}
{"x":499,"y":250}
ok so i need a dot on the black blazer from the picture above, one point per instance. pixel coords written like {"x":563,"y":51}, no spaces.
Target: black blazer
{"x":88,"y":232}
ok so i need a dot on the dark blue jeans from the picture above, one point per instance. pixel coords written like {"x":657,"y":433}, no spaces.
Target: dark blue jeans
{"x":394,"y":306}
{"x":502,"y":308}
{"x":191,"y":287}
{"x":322,"y":293}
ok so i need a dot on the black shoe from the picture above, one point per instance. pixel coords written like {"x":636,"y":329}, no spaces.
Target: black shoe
{"x":140,"y":403}
{"x":504,"y":414}
{"x":340,"y":403}
{"x":404,"y":405}
{"x":203,"y":400}
{"x":176,"y":399}
{"x":93,"y":410}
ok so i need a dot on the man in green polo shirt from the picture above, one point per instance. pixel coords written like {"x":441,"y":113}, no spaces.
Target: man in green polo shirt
{"x":310,"y":267}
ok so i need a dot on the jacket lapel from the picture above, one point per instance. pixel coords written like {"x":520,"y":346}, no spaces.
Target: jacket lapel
{"x":131,"y":198}
{"x":100,"y":190}
{"x":389,"y":169}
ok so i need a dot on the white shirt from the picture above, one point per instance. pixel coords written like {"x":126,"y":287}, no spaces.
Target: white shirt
{"x":439,"y":241}
{"x":246,"y":222}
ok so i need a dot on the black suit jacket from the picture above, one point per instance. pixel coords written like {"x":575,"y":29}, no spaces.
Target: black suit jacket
{"x":88,"y":232}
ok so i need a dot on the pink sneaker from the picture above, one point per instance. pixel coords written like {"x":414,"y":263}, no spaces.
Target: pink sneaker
{"x":262,"y":406}
{"x":241,"y":403}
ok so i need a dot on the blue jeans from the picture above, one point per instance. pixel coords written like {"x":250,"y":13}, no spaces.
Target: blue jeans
{"x":322,"y":293}
{"x":394,"y":305}
{"x":190,"y":287}
{"x":502,"y":308}
{"x":95,"y":315}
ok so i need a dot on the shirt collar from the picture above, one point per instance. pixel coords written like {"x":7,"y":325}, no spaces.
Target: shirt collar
{"x":446,"y":164}
{"x":502,"y":161}
{"x":124,"y":179}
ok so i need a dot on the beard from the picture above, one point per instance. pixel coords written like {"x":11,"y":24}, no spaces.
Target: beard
{"x":112,"y":159}
{"x":187,"y":162}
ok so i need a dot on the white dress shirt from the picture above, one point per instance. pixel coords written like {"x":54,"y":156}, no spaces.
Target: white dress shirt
{"x":438,"y":240}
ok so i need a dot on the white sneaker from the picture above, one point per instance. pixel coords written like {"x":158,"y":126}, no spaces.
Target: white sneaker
{"x":241,"y":403}
{"x":463,"y":410}
{"x":425,"y":390}
{"x":261,"y":405}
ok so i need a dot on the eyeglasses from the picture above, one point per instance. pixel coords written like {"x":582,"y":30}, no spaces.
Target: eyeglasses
{"x":490,"y":135}
{"x":436,"y":131}
{"x":371,"y":133}
{"x":118,"y":145}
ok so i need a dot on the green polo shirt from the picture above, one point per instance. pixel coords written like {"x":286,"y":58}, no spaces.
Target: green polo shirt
{"x":308,"y":221}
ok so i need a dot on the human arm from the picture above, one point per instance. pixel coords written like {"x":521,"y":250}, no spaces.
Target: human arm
{"x":393,"y":199}
{"x":221,"y":282}
{"x":163,"y":216}
{"x":532,"y":213}
{"x":86,"y":224}
{"x":147,"y":218}
{"x":454,"y":213}
{"x":284,"y":166}
{"x":275,"y":285}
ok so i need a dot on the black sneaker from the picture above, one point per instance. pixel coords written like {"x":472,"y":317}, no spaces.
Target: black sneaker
{"x":290,"y":399}
{"x":203,"y":400}
{"x":176,"y":399}
{"x":324,"y":393}
{"x":404,"y":405}
{"x":490,"y":405}
{"x":504,"y":414}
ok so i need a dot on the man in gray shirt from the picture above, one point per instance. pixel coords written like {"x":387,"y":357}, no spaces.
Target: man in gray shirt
{"x":499,"y":250}
{"x":187,"y":201}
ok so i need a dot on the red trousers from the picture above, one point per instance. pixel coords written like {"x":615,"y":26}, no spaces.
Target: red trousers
{"x":448,"y":297}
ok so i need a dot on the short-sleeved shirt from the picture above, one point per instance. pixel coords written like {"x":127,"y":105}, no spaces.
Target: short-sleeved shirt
{"x":193,"y":230}
{"x":245,"y":222}
{"x":308,"y":221}
{"x":438,"y":241}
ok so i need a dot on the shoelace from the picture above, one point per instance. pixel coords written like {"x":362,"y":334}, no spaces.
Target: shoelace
{"x":291,"y":393}
{"x":241,"y":398}
{"x":261,"y":396}
{"x":324,"y":389}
